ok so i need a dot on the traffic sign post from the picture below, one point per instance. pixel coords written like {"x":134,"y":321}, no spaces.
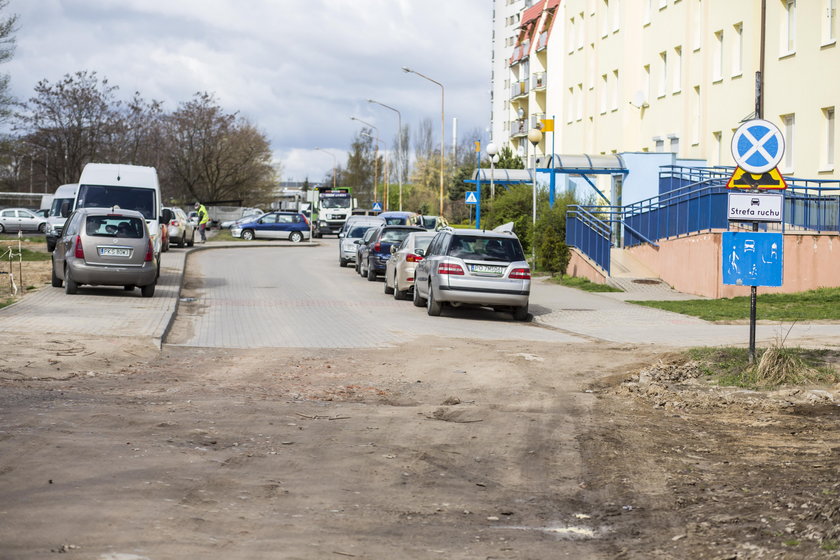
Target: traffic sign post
{"x":757,"y":147}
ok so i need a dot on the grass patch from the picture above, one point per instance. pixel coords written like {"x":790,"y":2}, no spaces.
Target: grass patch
{"x":774,"y":367}
{"x":792,"y":542}
{"x":829,"y":545}
{"x":221,"y":235}
{"x":582,"y":284}
{"x":5,"y":301}
{"x":813,"y":305}
{"x":14,"y":237}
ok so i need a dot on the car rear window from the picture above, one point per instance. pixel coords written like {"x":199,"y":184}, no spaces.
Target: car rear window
{"x":358,"y":231}
{"x":395,"y":235}
{"x":115,"y":226}
{"x":422,"y":242}
{"x":483,"y":248}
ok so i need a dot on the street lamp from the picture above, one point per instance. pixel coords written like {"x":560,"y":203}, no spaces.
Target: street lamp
{"x":385,"y":190}
{"x":335,"y":163}
{"x":534,"y":137}
{"x":376,"y":158}
{"x":399,"y":145}
{"x":492,"y":150}
{"x":442,"y":138}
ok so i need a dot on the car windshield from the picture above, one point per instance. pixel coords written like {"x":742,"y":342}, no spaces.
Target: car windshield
{"x":57,"y":203}
{"x":482,"y":248}
{"x":395,"y":221}
{"x":335,"y":202}
{"x":394,"y":235}
{"x":114,"y":226}
{"x":127,"y":198}
{"x":358,"y":231}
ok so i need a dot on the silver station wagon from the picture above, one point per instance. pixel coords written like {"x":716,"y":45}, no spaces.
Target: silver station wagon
{"x":105,"y":247}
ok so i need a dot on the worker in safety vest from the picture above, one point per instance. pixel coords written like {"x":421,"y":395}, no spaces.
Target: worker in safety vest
{"x":203,"y":219}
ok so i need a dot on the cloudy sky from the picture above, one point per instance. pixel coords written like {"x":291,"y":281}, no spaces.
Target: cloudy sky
{"x":298,"y":69}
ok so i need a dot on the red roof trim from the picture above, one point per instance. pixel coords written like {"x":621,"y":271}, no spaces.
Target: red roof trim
{"x":533,"y":12}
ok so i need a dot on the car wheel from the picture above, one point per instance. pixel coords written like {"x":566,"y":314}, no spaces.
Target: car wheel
{"x":191,"y":242}
{"x":2,"y":229}
{"x":147,"y":291}
{"x":342,"y":262}
{"x":248,"y":235}
{"x":371,"y":273}
{"x":182,"y":241}
{"x":521,"y":313}
{"x":128,"y":287}
{"x":70,"y":285}
{"x":433,"y":307}
{"x":42,"y":228}
{"x":418,"y":301}
{"x":296,"y":237}
{"x":388,"y":289}
{"x":56,"y":281}
{"x":358,"y":267}
{"x":157,"y":274}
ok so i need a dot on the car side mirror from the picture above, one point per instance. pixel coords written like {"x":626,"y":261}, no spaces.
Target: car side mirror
{"x":340,"y":235}
{"x":358,"y":242}
{"x":166,"y":217}
{"x":393,"y":249}
{"x":65,"y":209}
{"x":46,"y":213}
{"x":420,"y":252}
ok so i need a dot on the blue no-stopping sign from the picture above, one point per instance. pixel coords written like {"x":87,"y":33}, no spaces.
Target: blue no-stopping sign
{"x":758,"y":146}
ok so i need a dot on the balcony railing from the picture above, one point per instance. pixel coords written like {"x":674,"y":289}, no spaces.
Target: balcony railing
{"x":536,"y":119}
{"x":518,"y":127}
{"x":518,"y":88}
{"x":538,"y":80}
{"x":542,"y":41}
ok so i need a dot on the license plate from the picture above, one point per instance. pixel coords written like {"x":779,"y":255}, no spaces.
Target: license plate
{"x":487,"y":269}
{"x":114,"y":252}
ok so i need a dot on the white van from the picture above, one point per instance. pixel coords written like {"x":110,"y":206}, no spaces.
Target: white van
{"x":61,"y":207}
{"x":131,"y":187}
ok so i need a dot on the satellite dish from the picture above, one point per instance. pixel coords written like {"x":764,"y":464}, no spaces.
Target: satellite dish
{"x":639,"y":100}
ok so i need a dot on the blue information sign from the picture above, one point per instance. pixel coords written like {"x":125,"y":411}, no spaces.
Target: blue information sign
{"x":471,"y":197}
{"x":377,"y":207}
{"x":752,"y":258}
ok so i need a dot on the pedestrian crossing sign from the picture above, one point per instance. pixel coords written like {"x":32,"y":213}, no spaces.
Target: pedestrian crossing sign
{"x":742,"y":179}
{"x":472,"y":197}
{"x":377,"y":207}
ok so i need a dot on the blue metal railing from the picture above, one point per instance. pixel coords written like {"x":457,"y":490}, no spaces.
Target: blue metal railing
{"x":698,"y":202}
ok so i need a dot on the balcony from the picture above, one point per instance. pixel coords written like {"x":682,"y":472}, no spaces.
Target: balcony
{"x":538,"y":81}
{"x":520,"y":52}
{"x":518,"y":89}
{"x":542,"y":41}
{"x":518,"y":127}
{"x":535,"y":120}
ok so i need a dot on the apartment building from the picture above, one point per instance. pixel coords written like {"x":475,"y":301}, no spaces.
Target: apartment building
{"x":673,"y":76}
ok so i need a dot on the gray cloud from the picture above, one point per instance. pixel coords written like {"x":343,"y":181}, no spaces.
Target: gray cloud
{"x":298,"y":70}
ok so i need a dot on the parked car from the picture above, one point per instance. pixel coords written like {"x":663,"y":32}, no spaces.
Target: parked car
{"x":62,"y":205}
{"x":181,"y":229}
{"x":193,"y":217}
{"x":347,"y":241}
{"x":21,"y":219}
{"x":275,"y":225}
{"x":361,"y":245}
{"x":433,"y":223}
{"x":42,"y":213}
{"x":400,"y":218}
{"x":375,"y":254}
{"x":486,"y":268}
{"x":105,"y":246}
{"x":399,"y":271}
{"x":356,"y":219}
{"x":249,"y":215}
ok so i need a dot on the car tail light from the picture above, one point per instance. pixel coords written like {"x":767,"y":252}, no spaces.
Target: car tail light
{"x":174,"y":223}
{"x":150,"y":252}
{"x":520,"y":274}
{"x":413,"y":257}
{"x":305,"y":219}
{"x":79,"y":250}
{"x":446,"y":268}
{"x":377,"y":246}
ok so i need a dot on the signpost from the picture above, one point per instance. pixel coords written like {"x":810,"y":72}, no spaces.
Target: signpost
{"x":752,"y":258}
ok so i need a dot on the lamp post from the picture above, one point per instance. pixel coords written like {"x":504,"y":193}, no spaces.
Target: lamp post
{"x":375,"y":158}
{"x":399,"y":145}
{"x":335,"y":163}
{"x":534,"y":137}
{"x":442,"y":138}
{"x":492,"y":150}
{"x":385,"y":191}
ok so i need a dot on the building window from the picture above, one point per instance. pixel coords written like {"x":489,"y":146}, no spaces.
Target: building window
{"x":738,"y":50}
{"x":828,"y":158}
{"x":616,"y":93}
{"x":605,"y":18}
{"x":616,"y":15}
{"x":570,"y":106}
{"x":648,"y":10}
{"x":789,"y":122}
{"x":698,"y":25}
{"x":603,"y":93}
{"x":717,"y":58}
{"x":674,"y":142}
{"x":677,"y":70}
{"x":663,"y":74}
{"x":572,"y":29}
{"x":580,"y":31}
{"x":591,"y":66}
{"x":663,"y":4}
{"x":717,"y":147}
{"x":579,"y":112}
{"x":829,"y":22}
{"x":646,"y":81}
{"x":788,"y":42}
{"x":696,"y":107}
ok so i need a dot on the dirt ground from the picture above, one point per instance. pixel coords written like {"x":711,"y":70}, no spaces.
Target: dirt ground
{"x":112,"y":450}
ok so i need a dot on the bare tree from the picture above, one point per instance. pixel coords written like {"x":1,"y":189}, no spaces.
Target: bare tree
{"x":7,"y":51}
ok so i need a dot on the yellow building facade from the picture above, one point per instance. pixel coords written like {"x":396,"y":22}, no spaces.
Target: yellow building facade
{"x":673,"y":76}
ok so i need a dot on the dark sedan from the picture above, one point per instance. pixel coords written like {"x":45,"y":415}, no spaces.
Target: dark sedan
{"x":375,"y":254}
